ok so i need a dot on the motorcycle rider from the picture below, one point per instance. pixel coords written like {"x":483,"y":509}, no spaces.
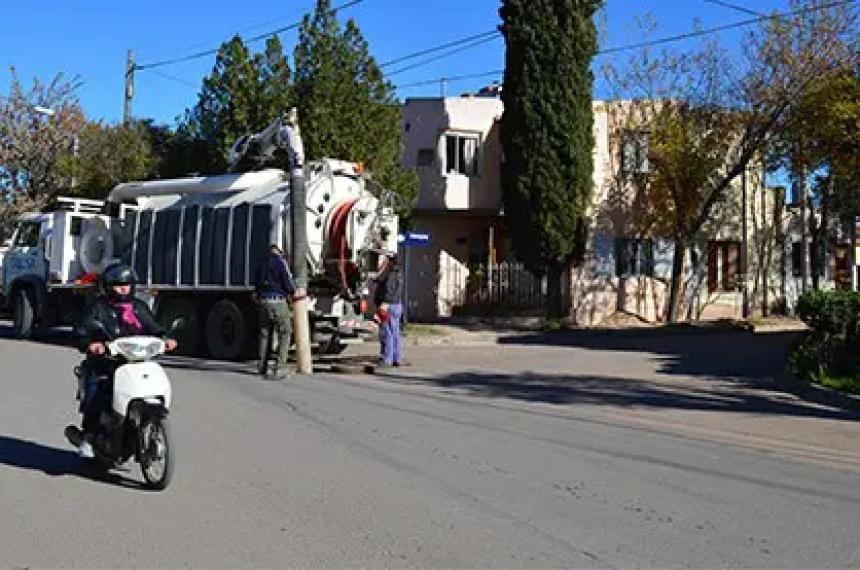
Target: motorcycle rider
{"x":116,"y":312}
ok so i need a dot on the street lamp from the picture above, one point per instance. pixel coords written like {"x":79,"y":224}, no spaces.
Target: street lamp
{"x":44,"y":111}
{"x":48,"y":112}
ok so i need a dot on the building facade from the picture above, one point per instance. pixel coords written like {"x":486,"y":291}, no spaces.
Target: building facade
{"x":454,"y":146}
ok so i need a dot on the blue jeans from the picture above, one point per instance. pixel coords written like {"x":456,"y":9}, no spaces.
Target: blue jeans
{"x":95,"y":399}
{"x":389,"y":335}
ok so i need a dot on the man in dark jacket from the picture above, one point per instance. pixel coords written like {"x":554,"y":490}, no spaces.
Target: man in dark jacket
{"x":389,"y":304}
{"x":114,"y":314}
{"x":275,"y":288}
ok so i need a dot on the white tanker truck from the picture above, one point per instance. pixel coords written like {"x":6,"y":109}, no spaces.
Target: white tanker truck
{"x":196,"y":244}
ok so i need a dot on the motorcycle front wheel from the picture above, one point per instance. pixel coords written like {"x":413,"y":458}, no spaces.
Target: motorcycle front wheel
{"x":156,"y":452}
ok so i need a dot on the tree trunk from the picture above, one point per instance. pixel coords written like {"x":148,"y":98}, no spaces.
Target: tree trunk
{"x":804,"y":232}
{"x":852,"y":251}
{"x":554,"y":302}
{"x":674,"y":307}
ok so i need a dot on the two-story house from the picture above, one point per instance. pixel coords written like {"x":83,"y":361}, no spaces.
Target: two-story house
{"x":454,"y":146}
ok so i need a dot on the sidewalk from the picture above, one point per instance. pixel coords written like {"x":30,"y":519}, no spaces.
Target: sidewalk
{"x":715,"y":385}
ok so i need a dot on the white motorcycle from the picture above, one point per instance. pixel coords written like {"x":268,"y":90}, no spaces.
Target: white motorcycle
{"x":137,"y":424}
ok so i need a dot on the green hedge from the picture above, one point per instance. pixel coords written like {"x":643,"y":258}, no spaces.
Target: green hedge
{"x":831,"y":348}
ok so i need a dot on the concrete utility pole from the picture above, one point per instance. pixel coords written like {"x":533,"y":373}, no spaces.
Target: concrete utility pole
{"x":299,"y":254}
{"x":129,"y":87}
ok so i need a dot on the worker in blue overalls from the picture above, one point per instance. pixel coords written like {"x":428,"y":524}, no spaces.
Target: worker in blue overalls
{"x":388,"y":298}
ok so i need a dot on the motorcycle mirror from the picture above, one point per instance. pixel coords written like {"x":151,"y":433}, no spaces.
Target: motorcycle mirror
{"x":177,"y":325}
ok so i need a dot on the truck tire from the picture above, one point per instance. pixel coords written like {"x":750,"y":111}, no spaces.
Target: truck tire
{"x":189,"y":337}
{"x":226,"y":331}
{"x":24,"y":313}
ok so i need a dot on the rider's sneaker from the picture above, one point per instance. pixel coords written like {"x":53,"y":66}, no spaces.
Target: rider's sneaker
{"x":85,"y":449}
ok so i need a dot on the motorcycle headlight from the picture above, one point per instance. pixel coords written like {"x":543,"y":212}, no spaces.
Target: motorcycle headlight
{"x":135,"y":350}
{"x":132,"y":350}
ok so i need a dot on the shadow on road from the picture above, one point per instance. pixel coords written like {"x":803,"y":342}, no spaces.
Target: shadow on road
{"x":734,"y":355}
{"x":711,"y":355}
{"x":563,"y":389}
{"x":55,"y":462}
{"x":54,"y":336}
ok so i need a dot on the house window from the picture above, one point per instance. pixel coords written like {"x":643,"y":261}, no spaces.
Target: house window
{"x":634,"y":152}
{"x":426,"y":157}
{"x":461,"y":155}
{"x":816,"y":263}
{"x":723,"y":265}
{"x":634,"y":257}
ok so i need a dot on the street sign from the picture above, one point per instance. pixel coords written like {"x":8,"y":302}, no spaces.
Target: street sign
{"x":413,"y":239}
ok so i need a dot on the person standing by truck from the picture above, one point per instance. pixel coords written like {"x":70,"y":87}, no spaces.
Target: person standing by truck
{"x":389,"y":310}
{"x":275,"y":288}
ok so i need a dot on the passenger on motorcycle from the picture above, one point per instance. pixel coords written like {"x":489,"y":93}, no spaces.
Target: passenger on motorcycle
{"x":118,"y":313}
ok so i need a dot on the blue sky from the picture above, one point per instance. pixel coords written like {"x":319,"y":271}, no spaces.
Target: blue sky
{"x":89,"y":38}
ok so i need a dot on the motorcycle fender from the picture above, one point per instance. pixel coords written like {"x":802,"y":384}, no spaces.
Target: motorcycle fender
{"x":140,"y":381}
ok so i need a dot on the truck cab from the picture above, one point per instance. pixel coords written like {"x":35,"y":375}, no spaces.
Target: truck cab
{"x":40,"y":266}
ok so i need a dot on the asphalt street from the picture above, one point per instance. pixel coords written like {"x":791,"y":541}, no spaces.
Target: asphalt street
{"x":399,"y":471}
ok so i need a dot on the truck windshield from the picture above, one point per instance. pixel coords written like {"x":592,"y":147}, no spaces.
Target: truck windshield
{"x":28,"y":234}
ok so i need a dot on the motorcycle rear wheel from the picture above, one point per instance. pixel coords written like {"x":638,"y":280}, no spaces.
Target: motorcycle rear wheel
{"x":156,"y":453}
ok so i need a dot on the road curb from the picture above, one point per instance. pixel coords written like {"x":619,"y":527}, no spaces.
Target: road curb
{"x":820,"y":394}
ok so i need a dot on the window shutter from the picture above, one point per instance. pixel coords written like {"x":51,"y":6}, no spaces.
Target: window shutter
{"x":605,"y":258}
{"x":796,"y":261}
{"x":621,"y":259}
{"x":731,"y":274}
{"x":713,"y":251}
{"x":450,"y":154}
{"x":648,"y":256}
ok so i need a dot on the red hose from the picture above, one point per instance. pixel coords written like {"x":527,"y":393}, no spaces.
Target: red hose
{"x":337,"y":235}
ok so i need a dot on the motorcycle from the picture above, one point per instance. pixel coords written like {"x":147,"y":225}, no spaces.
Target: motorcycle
{"x":137,"y":423}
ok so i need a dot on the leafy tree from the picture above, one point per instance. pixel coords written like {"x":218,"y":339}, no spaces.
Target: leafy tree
{"x":823,"y":134}
{"x":748,"y":103}
{"x":547,"y":131}
{"x":346,"y":107}
{"x":37,"y":129}
{"x":109,"y":155}
{"x":243,"y":93}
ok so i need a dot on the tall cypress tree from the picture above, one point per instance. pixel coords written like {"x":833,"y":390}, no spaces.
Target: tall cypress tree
{"x":547,"y":132}
{"x":346,"y":107}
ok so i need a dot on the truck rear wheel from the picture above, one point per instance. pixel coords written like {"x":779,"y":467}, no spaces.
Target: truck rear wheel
{"x":24,"y":314}
{"x":226,"y":330}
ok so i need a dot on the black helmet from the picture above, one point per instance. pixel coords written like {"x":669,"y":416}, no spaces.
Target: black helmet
{"x":116,"y":275}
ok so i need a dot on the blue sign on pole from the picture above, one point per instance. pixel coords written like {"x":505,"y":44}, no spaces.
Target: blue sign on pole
{"x":414,"y":238}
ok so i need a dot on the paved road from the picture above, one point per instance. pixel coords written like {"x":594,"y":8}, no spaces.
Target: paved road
{"x":391,"y":472}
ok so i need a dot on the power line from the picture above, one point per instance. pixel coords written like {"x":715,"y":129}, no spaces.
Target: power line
{"x":481,"y":36}
{"x":174,"y":78}
{"x":213,"y":51}
{"x":452,"y":78}
{"x":292,"y":13}
{"x":735,"y":7}
{"x":443,"y":55}
{"x":655,"y":42}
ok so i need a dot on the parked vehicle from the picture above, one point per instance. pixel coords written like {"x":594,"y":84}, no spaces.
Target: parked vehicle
{"x":196,"y":244}
{"x":41,"y":265}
